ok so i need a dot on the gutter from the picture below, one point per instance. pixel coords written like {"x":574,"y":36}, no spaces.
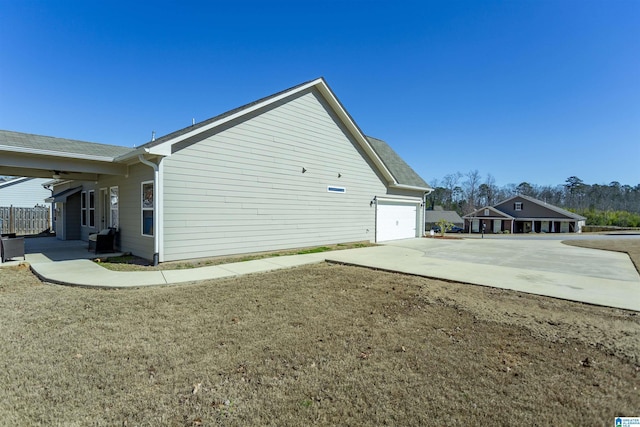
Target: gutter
{"x":427,"y":190}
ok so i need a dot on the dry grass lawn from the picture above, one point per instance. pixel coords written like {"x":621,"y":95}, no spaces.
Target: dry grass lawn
{"x":316,"y":345}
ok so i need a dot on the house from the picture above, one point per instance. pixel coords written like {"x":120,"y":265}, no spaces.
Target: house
{"x":22,"y":205}
{"x":289,"y":170}
{"x":433,"y":216}
{"x":523,"y":214}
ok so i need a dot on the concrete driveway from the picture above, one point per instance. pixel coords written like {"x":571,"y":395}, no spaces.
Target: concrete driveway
{"x":538,"y":266}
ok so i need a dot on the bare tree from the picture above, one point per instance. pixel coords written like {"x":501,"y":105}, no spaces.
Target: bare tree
{"x":450,"y":182}
{"x":470,"y":187}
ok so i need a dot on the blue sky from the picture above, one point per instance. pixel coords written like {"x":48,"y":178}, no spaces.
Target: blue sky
{"x":532,"y":91}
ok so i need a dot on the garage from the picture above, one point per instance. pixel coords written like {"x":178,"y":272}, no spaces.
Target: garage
{"x":396,"y":219}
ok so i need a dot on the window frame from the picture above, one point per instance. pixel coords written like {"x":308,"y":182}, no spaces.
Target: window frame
{"x":114,"y":224}
{"x":91,"y":208}
{"x":147,"y":207}
{"x":517,"y":206}
{"x":83,"y":209}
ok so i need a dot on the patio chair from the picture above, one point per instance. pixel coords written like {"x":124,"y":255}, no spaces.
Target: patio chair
{"x":12,"y":247}
{"x":104,"y":241}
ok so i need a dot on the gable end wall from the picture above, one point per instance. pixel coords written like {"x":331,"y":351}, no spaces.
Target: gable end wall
{"x":530,"y":210}
{"x":242,"y":189}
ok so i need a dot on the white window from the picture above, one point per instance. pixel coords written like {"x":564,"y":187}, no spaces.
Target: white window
{"x":486,"y":212}
{"x":92,"y":208}
{"x":83,"y":208}
{"x":147,"y":208}
{"x":113,"y":202}
{"x":518,"y":206}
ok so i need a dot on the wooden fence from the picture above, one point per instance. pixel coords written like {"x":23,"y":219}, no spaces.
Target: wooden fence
{"x":24,"y":221}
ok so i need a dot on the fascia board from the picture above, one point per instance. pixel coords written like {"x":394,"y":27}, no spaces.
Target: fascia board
{"x":51,"y":153}
{"x":411,"y":187}
{"x":355,"y":130}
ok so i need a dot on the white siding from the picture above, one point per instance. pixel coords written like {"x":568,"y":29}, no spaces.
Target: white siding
{"x":242,"y":189}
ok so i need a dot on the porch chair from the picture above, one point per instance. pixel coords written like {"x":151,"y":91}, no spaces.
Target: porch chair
{"x":11,"y":247}
{"x":104,"y":241}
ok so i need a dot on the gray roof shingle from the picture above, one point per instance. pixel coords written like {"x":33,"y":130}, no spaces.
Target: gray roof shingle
{"x":400,"y":170}
{"x":433,"y":216}
{"x":65,"y":147}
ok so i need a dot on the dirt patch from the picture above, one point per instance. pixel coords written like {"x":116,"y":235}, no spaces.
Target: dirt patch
{"x":322,"y":344}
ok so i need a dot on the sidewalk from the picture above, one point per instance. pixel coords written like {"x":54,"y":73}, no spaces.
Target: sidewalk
{"x":539,"y":267}
{"x":88,"y":273}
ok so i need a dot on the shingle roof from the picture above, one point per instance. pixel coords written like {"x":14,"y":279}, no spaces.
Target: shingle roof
{"x":65,"y":147}
{"x":436,"y":215}
{"x":400,"y":170}
{"x":548,"y":206}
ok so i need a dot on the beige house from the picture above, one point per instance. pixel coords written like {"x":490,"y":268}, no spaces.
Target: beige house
{"x":523,"y":214}
{"x":287,"y":171}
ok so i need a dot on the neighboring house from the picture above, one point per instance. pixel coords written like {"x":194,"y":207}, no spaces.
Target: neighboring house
{"x":290,"y":170}
{"x":24,"y":192}
{"x":433,"y":216}
{"x":523,"y":214}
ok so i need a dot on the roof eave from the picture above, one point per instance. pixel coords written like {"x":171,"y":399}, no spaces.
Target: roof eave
{"x":51,"y":153}
{"x":427,"y":190}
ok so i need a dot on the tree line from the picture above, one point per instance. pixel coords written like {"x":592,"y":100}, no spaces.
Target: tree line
{"x":603,"y":204}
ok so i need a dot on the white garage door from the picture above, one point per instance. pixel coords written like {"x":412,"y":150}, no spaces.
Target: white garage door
{"x":395,"y":220}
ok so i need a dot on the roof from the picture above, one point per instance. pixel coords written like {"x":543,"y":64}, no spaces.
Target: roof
{"x":400,"y":170}
{"x":495,"y":210}
{"x":63,"y":195}
{"x":392,"y":167}
{"x":548,"y":206}
{"x":40,"y":144}
{"x":395,"y":170}
{"x":219,"y":117}
{"x":433,"y":216}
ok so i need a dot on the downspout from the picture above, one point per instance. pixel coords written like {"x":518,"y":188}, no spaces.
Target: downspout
{"x":156,"y":204}
{"x":423,"y":227}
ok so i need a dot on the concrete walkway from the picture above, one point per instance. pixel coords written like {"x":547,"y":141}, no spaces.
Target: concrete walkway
{"x":537,"y":266}
{"x":89,"y":273}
